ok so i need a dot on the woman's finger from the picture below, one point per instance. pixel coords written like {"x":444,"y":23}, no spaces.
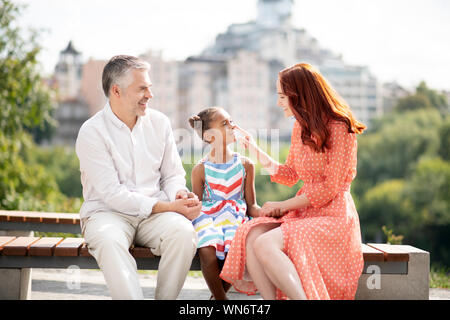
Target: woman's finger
{"x":243,"y":131}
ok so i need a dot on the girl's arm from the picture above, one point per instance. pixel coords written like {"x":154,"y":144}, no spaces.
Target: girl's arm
{"x":249,"y":189}
{"x":198,"y":180}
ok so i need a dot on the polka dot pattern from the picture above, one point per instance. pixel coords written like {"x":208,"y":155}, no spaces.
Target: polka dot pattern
{"x":324,"y":239}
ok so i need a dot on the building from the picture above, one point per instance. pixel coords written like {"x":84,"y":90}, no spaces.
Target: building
{"x":72,"y":110}
{"x":91,"y":85}
{"x":164,"y":78}
{"x":278,"y":45}
{"x":392,"y":92}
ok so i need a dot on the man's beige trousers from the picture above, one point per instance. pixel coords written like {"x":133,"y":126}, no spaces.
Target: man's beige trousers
{"x":169,"y":235}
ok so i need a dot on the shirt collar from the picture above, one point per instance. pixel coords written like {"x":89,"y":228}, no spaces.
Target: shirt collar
{"x":111,"y":116}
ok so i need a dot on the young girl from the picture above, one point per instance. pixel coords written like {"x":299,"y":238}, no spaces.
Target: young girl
{"x":224,"y":182}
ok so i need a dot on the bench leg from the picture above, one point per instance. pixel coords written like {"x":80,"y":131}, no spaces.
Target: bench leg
{"x":16,"y":284}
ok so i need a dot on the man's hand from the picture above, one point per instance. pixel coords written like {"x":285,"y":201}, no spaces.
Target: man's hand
{"x":272,"y":209}
{"x":183,"y":194}
{"x":190,"y":207}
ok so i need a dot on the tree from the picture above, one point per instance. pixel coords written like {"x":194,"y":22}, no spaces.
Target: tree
{"x":398,"y":142}
{"x":25,"y":100}
{"x":385,"y":205}
{"x":444,"y":134}
{"x":424,"y":98}
{"x":25,"y":106}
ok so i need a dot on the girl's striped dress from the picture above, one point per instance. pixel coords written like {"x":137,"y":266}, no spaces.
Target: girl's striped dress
{"x":223,"y":205}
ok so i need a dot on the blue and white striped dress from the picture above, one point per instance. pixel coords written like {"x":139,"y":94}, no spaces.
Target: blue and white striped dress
{"x":223,"y":205}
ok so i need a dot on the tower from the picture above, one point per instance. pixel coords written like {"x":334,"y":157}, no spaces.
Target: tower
{"x":274,"y":13}
{"x":68,"y":73}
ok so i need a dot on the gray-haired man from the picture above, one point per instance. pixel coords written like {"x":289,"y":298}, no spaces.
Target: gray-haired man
{"x":134,"y":186}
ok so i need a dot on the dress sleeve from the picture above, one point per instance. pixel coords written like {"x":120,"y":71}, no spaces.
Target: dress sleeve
{"x":286,"y":173}
{"x":340,"y":167}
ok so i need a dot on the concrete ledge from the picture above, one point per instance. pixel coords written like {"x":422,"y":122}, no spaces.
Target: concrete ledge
{"x":375,"y":285}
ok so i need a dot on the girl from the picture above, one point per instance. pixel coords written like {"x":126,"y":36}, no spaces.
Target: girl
{"x":224,"y":182}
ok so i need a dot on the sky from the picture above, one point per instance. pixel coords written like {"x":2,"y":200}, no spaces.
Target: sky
{"x":399,"y":40}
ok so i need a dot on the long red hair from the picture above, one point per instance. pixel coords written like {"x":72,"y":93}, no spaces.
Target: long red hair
{"x":314,"y":103}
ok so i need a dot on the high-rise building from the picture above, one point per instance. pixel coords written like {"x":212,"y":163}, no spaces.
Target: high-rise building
{"x":278,"y":45}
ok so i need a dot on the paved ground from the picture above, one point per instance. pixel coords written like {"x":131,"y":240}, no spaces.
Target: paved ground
{"x":61,"y":284}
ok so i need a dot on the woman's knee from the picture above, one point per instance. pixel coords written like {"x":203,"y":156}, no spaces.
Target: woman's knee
{"x":257,"y":232}
{"x":266,"y":243}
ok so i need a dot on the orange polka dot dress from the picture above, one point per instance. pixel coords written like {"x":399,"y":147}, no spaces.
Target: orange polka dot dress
{"x":324,"y":239}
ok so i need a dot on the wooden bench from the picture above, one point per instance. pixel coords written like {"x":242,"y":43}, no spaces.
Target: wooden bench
{"x":40,"y":221}
{"x":390,"y":271}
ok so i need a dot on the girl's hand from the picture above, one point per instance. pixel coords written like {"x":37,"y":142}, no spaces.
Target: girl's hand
{"x":272,"y":209}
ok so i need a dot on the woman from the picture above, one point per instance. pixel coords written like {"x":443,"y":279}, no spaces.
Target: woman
{"x":307,"y":247}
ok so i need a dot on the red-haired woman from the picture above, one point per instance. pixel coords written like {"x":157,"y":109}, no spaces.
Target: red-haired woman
{"x":307,"y":247}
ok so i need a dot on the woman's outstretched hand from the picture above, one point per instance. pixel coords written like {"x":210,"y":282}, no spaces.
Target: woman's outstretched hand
{"x":244,"y":137}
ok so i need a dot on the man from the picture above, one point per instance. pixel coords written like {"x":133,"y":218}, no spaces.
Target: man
{"x":134,"y":186}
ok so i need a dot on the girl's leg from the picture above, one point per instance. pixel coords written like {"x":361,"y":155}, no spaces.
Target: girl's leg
{"x":254,"y":267}
{"x":226,"y":285}
{"x":211,"y":271}
{"x":268,"y":248}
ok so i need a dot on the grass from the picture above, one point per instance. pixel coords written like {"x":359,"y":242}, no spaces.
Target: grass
{"x":439,"y":277}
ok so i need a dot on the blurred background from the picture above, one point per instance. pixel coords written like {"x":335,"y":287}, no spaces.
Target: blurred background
{"x":388,"y":59}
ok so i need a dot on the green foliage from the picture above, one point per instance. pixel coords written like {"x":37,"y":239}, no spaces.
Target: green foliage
{"x":384,"y":205}
{"x":26,"y":182}
{"x":397,"y":142}
{"x":403,"y":180}
{"x":62,"y":163}
{"x":391,"y":237}
{"x":25,"y":100}
{"x":424,"y":98}
{"x":428,"y":189}
{"x":439,"y":277}
{"x":444,"y":134}
{"x":26,"y":185}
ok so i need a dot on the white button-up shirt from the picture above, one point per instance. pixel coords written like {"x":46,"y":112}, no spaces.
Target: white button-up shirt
{"x":125,"y":170}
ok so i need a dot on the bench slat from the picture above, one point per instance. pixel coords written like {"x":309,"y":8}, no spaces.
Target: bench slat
{"x":39,"y":217}
{"x":44,"y":246}
{"x":372,"y":254}
{"x":19,"y":246}
{"x":5,"y":240}
{"x":69,"y":247}
{"x":391,"y":252}
{"x":141,"y":252}
{"x":84,"y":251}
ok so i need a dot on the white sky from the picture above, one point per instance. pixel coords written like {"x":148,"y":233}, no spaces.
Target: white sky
{"x":403,"y":40}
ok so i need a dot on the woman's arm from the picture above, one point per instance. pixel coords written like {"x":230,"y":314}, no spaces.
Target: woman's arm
{"x":266,"y":161}
{"x":279,"y":173}
{"x":279,"y":208}
{"x":249,"y":189}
